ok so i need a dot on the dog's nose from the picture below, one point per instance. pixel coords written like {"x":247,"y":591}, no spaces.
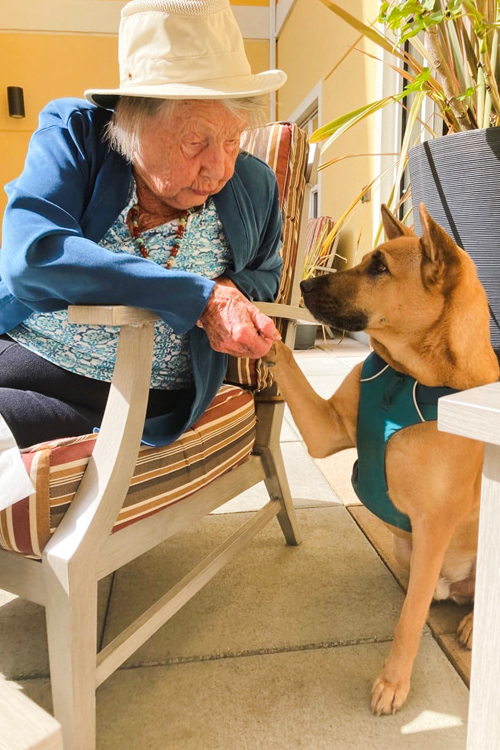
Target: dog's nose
{"x":307,"y":285}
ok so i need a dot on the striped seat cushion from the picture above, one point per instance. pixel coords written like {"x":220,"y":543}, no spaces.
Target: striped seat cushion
{"x":221,"y":439}
{"x":282,"y":145}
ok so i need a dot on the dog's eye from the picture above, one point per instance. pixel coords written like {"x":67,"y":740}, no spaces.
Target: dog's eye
{"x":378,"y":266}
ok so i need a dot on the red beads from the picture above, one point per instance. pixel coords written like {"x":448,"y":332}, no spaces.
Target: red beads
{"x":141,"y":245}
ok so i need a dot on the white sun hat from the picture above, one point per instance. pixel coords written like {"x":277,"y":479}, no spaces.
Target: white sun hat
{"x":183,"y":49}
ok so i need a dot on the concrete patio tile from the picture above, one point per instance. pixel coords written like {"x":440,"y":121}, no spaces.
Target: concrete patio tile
{"x":289,"y":432}
{"x":302,"y":700}
{"x":355,"y":359}
{"x":23,"y":634}
{"x":346,"y":347}
{"x":308,"y":486}
{"x":313,"y":699}
{"x":326,"y":366}
{"x":326,"y":385}
{"x":331,"y":589}
{"x":337,"y":470}
{"x":316,"y":352}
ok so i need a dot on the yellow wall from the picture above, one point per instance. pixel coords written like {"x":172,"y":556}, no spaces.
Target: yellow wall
{"x":48,"y":66}
{"x":311,"y":44}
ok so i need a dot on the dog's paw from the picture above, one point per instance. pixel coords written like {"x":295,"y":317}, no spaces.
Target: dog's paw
{"x":464,"y":630}
{"x":270,"y":358}
{"x":388,"y":697}
{"x":277,"y":354}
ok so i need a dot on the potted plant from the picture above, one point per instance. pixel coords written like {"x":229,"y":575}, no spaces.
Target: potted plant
{"x":321,"y":250}
{"x":452,"y":59}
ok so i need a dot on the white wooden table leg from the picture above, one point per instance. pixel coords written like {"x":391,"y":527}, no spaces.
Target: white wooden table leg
{"x":484,"y":708}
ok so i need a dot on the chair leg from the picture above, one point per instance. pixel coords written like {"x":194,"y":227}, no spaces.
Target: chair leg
{"x":71,"y":613}
{"x":277,"y":485}
{"x":269,"y":412}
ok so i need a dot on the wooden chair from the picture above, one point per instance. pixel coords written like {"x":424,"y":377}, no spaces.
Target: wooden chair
{"x":102,"y":501}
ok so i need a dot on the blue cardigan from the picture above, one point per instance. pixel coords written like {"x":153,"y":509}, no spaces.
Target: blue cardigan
{"x":71,"y":190}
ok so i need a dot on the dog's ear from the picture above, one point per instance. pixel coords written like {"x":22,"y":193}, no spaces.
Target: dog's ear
{"x":393,"y":227}
{"x":441,"y":257}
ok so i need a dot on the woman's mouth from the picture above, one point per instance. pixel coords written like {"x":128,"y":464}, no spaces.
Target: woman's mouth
{"x":201,"y":192}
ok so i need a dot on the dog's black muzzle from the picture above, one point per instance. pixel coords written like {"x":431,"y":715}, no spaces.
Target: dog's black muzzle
{"x":328,"y":299}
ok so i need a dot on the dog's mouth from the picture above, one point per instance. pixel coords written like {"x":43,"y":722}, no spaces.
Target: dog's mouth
{"x":329,"y":309}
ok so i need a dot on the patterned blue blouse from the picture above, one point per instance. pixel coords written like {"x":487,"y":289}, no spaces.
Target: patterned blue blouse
{"x":91,"y":350}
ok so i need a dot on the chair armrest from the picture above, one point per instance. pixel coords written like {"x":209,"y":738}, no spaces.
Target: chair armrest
{"x":474,"y":413}
{"x":108,"y":315}
{"x":289,"y":312}
{"x":101,"y":493}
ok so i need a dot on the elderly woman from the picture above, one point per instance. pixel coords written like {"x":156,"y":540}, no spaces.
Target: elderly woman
{"x":151,"y":205}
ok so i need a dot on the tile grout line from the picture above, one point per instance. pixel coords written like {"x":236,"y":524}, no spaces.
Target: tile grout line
{"x":199,"y":659}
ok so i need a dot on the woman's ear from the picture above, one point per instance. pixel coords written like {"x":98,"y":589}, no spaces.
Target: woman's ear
{"x":393,"y":227}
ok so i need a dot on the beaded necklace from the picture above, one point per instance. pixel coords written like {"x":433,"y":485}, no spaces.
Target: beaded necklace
{"x":141,"y":245}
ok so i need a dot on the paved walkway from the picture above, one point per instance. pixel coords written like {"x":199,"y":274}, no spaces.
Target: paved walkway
{"x":278,"y":651}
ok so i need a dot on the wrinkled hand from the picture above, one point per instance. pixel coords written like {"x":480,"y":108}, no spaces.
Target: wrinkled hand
{"x":235,"y":326}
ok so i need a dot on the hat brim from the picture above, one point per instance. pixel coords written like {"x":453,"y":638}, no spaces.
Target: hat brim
{"x":225,"y":88}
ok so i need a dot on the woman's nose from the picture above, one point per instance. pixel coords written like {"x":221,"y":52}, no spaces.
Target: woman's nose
{"x":214,"y":163}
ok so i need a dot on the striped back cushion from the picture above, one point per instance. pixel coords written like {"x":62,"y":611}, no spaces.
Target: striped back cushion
{"x":221,"y":439}
{"x":284,"y":146}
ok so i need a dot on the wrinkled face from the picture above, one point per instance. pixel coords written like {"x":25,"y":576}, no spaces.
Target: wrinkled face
{"x":386,"y":291}
{"x":189,"y":153}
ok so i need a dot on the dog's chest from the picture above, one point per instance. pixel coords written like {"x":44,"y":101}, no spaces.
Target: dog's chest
{"x":389,"y":401}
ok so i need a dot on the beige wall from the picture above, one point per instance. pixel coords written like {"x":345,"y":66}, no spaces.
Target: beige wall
{"x":312,"y":44}
{"x":51,"y":65}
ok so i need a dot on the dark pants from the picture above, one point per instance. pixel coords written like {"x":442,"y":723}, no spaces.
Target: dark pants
{"x":41,"y":401}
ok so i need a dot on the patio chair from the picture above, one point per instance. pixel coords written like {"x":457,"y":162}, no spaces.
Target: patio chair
{"x":101,"y":501}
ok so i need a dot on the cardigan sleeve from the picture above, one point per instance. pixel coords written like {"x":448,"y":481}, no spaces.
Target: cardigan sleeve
{"x":47,"y":262}
{"x":259,"y":279}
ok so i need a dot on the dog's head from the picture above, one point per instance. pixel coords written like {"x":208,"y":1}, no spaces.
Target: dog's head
{"x":401,"y":285}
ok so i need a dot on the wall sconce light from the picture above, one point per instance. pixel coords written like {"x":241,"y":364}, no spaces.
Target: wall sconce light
{"x":15,"y":97}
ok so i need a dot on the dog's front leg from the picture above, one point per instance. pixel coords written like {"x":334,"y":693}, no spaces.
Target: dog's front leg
{"x":390,"y":689}
{"x":326,"y":426}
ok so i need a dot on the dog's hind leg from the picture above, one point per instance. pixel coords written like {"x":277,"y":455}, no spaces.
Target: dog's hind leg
{"x":391,"y":687}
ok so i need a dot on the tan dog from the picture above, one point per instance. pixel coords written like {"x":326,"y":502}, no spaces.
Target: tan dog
{"x":427,"y":316}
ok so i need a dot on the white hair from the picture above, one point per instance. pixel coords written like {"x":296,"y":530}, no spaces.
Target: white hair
{"x":131,"y":112}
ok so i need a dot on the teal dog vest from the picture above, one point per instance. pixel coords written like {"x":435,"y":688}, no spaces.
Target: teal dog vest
{"x":389,"y":401}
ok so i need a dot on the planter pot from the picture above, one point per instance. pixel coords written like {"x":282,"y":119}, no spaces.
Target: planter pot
{"x":457,"y":177}
{"x":305,"y":336}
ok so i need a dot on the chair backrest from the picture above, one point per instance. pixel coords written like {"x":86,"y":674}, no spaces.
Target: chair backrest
{"x":284,"y":146}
